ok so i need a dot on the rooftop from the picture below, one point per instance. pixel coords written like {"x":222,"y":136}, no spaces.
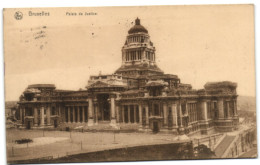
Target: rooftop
{"x":42,"y":86}
{"x":137,"y":28}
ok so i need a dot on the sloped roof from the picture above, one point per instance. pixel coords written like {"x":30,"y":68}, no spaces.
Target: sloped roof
{"x":223,"y":84}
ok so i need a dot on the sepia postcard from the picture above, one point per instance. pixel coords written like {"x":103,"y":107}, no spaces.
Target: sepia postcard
{"x":102,"y":84}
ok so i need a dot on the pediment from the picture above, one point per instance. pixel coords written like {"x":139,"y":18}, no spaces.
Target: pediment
{"x":98,"y":84}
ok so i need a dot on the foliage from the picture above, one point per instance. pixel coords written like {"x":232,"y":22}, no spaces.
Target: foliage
{"x":203,"y":152}
{"x":22,"y":141}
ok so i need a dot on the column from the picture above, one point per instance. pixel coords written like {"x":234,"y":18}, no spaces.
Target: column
{"x":143,"y":54}
{"x":123,"y":114}
{"x":180,"y":112}
{"x":134,"y":113}
{"x":146,"y":116}
{"x":96,"y":107}
{"x":59,"y":110}
{"x":181,"y":128}
{"x":228,"y":110}
{"x":78,"y":115}
{"x":90,"y":112}
{"x":112,"y":110}
{"x":69,"y":120}
{"x":21,"y":114}
{"x":174,"y":115}
{"x":140,"y":114}
{"x":63,"y":113}
{"x":48,"y":115}
{"x":220,"y":107}
{"x":83,"y":114}
{"x":24,"y":115}
{"x":42,"y":116}
{"x":235,"y":108}
{"x":117,"y":113}
{"x":73,"y":114}
{"x":128,"y":109}
{"x":35,"y":114}
{"x":164,"y":114}
{"x":204,"y":110}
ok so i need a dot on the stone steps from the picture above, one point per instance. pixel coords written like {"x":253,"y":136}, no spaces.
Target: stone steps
{"x":223,"y":146}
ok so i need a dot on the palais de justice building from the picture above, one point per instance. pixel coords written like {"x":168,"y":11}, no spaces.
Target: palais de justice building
{"x":137,"y":93}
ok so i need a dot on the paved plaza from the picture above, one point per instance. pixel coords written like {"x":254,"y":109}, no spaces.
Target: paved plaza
{"x":62,"y":143}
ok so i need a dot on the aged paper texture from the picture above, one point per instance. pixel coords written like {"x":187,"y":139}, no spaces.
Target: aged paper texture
{"x":129,"y":83}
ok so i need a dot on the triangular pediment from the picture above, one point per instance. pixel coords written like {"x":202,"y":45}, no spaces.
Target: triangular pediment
{"x":98,"y":84}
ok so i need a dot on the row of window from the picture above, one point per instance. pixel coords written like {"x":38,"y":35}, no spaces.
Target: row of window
{"x":137,"y":39}
{"x":212,"y":112}
{"x":150,"y":56}
{"x":137,"y":55}
{"x":192,"y":111}
{"x":134,"y":55}
{"x":229,"y":109}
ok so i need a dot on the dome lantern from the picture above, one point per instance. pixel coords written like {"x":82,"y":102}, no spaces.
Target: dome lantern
{"x":137,"y":27}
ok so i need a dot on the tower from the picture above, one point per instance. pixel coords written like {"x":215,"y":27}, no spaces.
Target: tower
{"x":138,"y":53}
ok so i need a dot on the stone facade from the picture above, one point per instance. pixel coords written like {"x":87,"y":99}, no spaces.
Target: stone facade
{"x":137,"y":93}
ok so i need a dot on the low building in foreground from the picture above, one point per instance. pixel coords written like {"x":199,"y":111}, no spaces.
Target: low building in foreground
{"x":137,"y":93}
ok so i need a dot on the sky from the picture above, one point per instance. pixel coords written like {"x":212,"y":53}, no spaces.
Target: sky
{"x":198,"y":43}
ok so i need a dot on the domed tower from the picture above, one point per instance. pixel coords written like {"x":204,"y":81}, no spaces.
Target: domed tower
{"x":138,"y":53}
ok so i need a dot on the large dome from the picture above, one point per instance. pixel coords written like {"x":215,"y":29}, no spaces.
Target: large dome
{"x":137,"y":28}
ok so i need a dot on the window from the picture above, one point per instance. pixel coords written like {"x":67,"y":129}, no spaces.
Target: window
{"x":156,"y":110}
{"x":53,"y":111}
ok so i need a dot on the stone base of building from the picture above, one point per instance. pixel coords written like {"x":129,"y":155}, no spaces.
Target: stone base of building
{"x":181,"y":130}
{"x":90,"y":122}
{"x":174,"y":130}
{"x":164,"y":130}
{"x":207,"y":131}
{"x":43,"y":127}
{"x":113,"y":123}
{"x":224,"y":125}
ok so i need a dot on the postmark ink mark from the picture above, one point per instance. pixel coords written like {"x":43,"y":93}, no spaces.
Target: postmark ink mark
{"x":18,"y":15}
